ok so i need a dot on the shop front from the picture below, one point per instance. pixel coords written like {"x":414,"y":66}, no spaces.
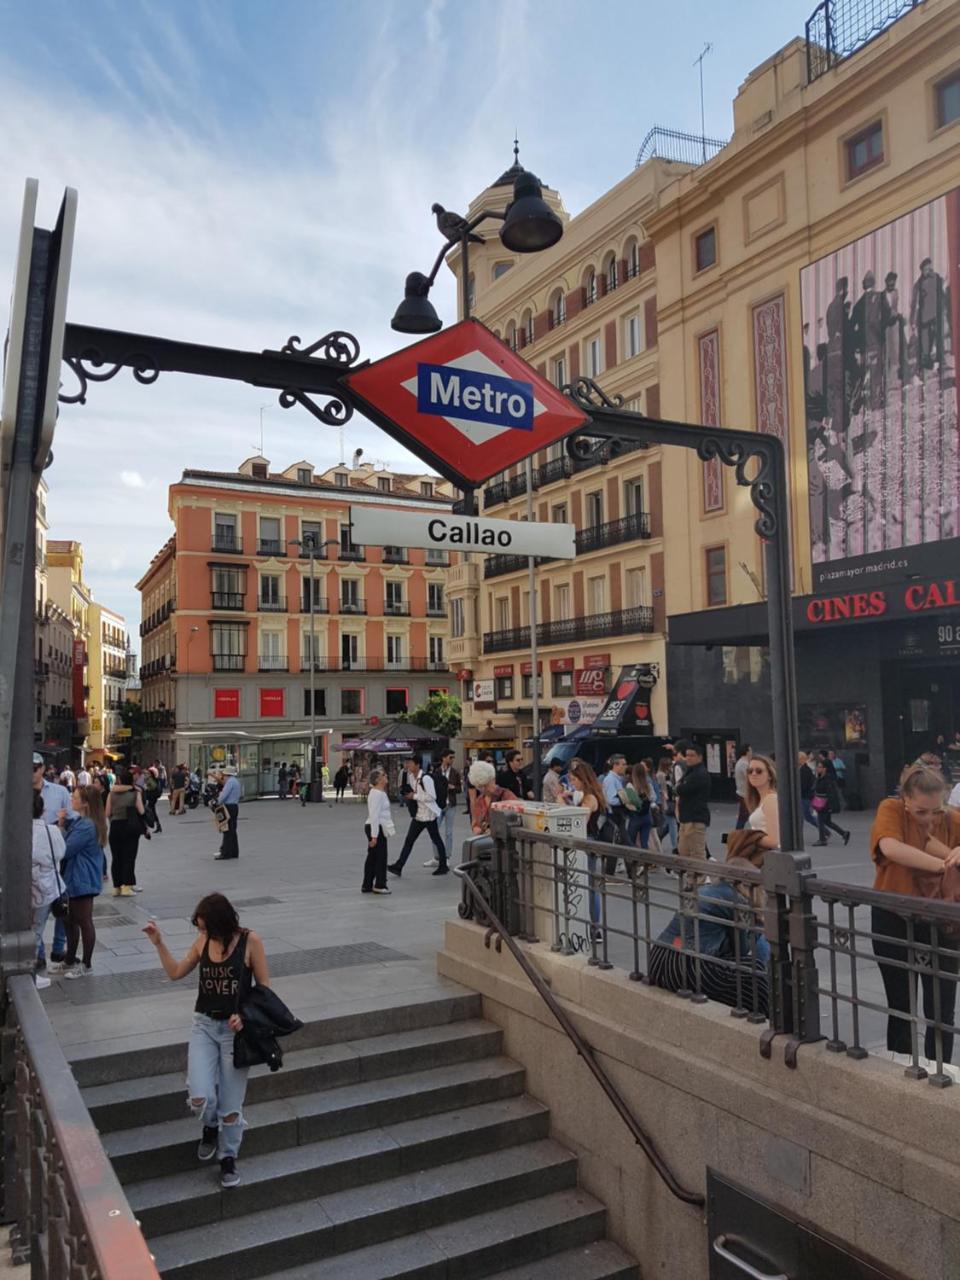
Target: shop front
{"x":878,"y":676}
{"x":257,"y":760}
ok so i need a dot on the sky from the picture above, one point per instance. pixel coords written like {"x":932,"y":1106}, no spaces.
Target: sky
{"x":250,"y":171}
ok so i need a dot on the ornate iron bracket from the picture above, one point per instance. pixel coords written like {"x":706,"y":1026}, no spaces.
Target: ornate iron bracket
{"x":88,"y":367}
{"x":338,"y":347}
{"x":334,"y":413}
{"x":748,"y":452}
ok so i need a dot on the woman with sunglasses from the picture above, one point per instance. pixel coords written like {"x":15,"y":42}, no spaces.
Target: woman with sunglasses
{"x":762,"y":803}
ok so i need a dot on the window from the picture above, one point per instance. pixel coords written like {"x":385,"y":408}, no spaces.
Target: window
{"x":394,"y":597}
{"x":864,"y":150}
{"x":349,"y":550}
{"x":511,"y":336}
{"x":435,"y":598}
{"x":558,"y":514}
{"x":610,"y":273}
{"x":311,"y":651}
{"x":225,"y":533}
{"x":503,"y":614}
{"x":635,"y":583}
{"x":590,"y":287}
{"x":500,"y":269}
{"x":383,"y":484}
{"x":596,"y":595}
{"x":435,"y":650}
{"x":228,"y":646}
{"x":426,"y":488}
{"x":471,"y":291}
{"x":228,"y":589}
{"x":716,"y":575}
{"x":270,"y":597}
{"x":318,"y":601}
{"x":594,"y":357}
{"x":456,"y":619}
{"x":633,"y":259}
{"x":435,"y":556}
{"x":561,"y":602}
{"x":526,"y":683}
{"x":350,"y":652}
{"x":948,"y":100}
{"x":351,"y":702}
{"x":705,"y":249}
{"x":558,"y":309}
{"x":594,"y":508}
{"x":319,"y":702}
{"x":562,"y":684}
{"x":394,"y":651}
{"x":633,"y":496}
{"x":340,"y":479}
{"x":632,"y":339}
{"x":303,"y":475}
{"x":271,"y":543}
{"x":311,"y":535}
{"x":559,"y":372}
{"x":350,"y":595}
{"x":271,"y":651}
{"x":397,"y":699}
{"x":504,"y":688}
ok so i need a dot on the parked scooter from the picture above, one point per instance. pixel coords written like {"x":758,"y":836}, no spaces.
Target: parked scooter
{"x":191,"y":796}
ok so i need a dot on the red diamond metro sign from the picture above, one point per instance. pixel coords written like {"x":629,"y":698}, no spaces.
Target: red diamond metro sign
{"x":465,"y":403}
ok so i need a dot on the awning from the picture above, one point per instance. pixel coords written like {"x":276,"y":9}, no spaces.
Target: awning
{"x":394,"y":737}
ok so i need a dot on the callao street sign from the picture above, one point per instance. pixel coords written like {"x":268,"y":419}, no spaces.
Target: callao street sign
{"x":443,"y":531}
{"x":465,"y":403}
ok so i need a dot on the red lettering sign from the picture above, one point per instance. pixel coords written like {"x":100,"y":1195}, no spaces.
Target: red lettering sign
{"x":594,"y":660}
{"x":271,"y":702}
{"x":526,"y":668}
{"x":590,"y":682}
{"x":226,"y":704}
{"x":561,"y":664}
{"x":503,"y":669}
{"x":932,"y":595}
{"x":859,"y":604}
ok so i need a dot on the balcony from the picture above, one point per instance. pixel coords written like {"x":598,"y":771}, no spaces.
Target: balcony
{"x":227,"y":544}
{"x":596,"y":626}
{"x":395,"y":555}
{"x":373,"y":663}
{"x":463,"y":576}
{"x":229,"y":661}
{"x":272,"y":662}
{"x":116,"y":673}
{"x":154,"y":619}
{"x":613,"y":532}
{"x":157,"y":667}
{"x":553,"y":470}
{"x":353,"y":606}
{"x":41,"y":669}
{"x":352,"y":553}
{"x":271,"y":547}
{"x":160,"y":718}
{"x":320,"y":604}
{"x":320,"y":553}
{"x":226,"y":599}
{"x":494,"y":566}
{"x":277,"y":605}
{"x":436,"y":610}
{"x":436,"y":558}
{"x":396,"y":608}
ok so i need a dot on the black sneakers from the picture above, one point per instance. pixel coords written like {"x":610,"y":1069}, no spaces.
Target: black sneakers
{"x":208,"y":1142}
{"x":228,"y":1172}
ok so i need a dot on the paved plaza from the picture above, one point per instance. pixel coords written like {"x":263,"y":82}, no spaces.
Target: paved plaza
{"x":297,"y":883}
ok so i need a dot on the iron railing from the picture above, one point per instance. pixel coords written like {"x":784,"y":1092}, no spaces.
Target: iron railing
{"x":227,"y":599}
{"x":320,"y":604}
{"x":613,"y":532}
{"x":396,"y":608}
{"x":373,"y":663}
{"x":71,"y":1218}
{"x":272,"y":662}
{"x":353,"y":606}
{"x":787,"y":950}
{"x":157,"y":617}
{"x":352,"y":553}
{"x":276,"y":605}
{"x":839,"y":28}
{"x":595,"y":626}
{"x":673,"y":144}
{"x":553,"y":470}
{"x":229,"y":661}
{"x":395,"y":555}
{"x":227,"y":545}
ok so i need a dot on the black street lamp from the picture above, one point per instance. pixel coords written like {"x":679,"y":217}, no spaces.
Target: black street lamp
{"x":529,"y":226}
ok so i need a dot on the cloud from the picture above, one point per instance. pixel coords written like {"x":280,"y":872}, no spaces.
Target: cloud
{"x":132,"y":480}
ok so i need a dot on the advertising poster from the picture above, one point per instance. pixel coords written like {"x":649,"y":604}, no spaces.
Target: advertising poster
{"x":880,"y":319}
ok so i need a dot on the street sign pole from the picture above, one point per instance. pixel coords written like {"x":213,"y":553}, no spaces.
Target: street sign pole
{"x":534,"y":615}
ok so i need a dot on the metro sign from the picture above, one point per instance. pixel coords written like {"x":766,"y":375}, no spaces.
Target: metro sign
{"x":465,"y":403}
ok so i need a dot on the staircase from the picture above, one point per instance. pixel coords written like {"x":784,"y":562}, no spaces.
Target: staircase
{"x":396,"y":1142}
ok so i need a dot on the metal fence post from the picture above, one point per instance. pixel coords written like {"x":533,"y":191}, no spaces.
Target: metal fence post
{"x":506,"y":872}
{"x":791,"y":929}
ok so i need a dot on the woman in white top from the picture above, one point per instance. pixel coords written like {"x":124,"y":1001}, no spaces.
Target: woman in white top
{"x":45,"y":885}
{"x":378,"y":826}
{"x":762,"y":800}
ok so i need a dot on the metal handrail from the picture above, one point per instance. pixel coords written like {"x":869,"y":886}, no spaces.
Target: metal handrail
{"x":639,"y":1134}
{"x":99,"y":1229}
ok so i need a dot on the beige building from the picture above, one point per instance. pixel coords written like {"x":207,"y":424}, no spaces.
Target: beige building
{"x":793,"y":297}
{"x":586,"y":307}
{"x":107,"y":677}
{"x":53,"y":722}
{"x":68,"y":591}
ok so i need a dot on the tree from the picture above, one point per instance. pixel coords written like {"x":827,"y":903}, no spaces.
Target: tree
{"x":441,"y":712}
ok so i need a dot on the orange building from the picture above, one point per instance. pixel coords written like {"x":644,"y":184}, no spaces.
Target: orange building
{"x":226,"y":619}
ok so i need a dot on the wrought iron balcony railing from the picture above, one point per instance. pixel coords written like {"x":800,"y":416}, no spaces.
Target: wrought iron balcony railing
{"x":353,"y":606}
{"x":352,"y":553}
{"x":229,"y":661}
{"x":277,"y":605}
{"x":271,"y":547}
{"x":320,"y":604}
{"x":395,"y":555}
{"x":229,"y":546}
{"x":614,"y":532}
{"x":272,"y":662}
{"x":373,"y":663}
{"x":838,"y":28}
{"x":226,"y":599}
{"x":619,"y":622}
{"x":396,"y":608}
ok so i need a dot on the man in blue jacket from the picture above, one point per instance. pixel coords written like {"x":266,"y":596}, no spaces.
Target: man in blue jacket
{"x":230,"y":799}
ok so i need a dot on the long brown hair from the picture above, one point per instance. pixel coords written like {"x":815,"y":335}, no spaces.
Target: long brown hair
{"x":753,"y":795}
{"x":219,"y":916}
{"x":589,"y":782}
{"x":640,"y":777}
{"x":922,"y":777}
{"x":93,"y":801}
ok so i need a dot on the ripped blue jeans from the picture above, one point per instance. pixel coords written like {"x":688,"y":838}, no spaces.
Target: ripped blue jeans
{"x":215,"y":1087}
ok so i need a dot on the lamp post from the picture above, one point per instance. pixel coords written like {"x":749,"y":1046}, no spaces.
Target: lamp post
{"x":308,"y":546}
{"x":529,"y":226}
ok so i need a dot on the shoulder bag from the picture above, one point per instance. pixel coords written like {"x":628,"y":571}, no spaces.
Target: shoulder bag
{"x":60,"y":905}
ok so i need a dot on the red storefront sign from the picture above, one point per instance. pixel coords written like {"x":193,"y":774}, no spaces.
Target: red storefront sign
{"x":561,"y":664}
{"x":593,"y":661}
{"x":503,"y":669}
{"x":271,"y":702}
{"x":591,"y":682}
{"x":226,"y":704}
{"x":526,"y":668}
{"x":891,"y":602}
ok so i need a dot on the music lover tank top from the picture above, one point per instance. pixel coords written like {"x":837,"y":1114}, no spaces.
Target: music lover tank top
{"x":220,"y":981}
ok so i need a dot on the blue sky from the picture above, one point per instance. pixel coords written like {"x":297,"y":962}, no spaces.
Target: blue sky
{"x":247,"y":171}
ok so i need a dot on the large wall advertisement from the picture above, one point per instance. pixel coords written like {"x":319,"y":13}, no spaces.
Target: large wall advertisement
{"x":880,"y":325}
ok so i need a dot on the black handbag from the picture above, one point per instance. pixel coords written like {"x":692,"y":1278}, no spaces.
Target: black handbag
{"x":60,"y":905}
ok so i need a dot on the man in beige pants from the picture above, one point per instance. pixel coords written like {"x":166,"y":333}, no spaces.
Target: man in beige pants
{"x":693,"y":803}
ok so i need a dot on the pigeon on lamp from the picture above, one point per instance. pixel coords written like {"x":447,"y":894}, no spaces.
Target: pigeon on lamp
{"x":451,"y":226}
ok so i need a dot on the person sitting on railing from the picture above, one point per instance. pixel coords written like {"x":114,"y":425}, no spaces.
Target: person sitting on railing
{"x":717,"y":947}
{"x":914,"y":840}
{"x":762,"y":803}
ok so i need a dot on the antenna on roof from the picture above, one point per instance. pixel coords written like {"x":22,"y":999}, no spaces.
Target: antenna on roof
{"x":340,"y":437}
{"x":516,"y":148}
{"x":703,"y":128}
{"x":259,"y":447}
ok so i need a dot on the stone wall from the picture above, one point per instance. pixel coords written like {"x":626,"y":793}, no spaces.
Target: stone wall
{"x":853,"y":1148}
